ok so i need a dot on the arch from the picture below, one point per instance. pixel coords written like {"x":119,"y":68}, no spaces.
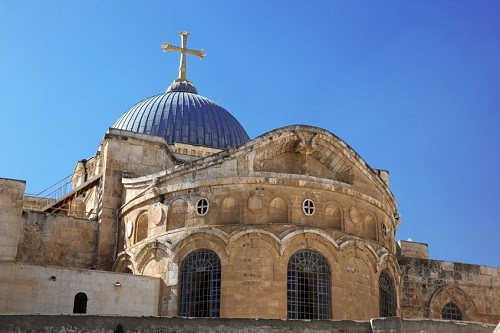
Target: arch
{"x":122,"y":263}
{"x":370,"y":226}
{"x":308,"y":281}
{"x":309,"y":235}
{"x":124,"y":266}
{"x":230,"y":210}
{"x":141,"y":227}
{"x":176,"y":215}
{"x":450,"y":293}
{"x":266,"y":235}
{"x":278,"y":211}
{"x":387,"y":295}
{"x":451,"y":311}
{"x":200,"y":280}
{"x":360,"y":245}
{"x":333,"y":215}
{"x":151,"y":251}
{"x":80,"y":303}
{"x":202,"y":237}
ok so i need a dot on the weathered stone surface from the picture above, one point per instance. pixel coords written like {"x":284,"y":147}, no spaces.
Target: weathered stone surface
{"x":99,"y":324}
{"x":139,"y":212}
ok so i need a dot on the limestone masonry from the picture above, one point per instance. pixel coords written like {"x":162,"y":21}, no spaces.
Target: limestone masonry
{"x":179,"y":217}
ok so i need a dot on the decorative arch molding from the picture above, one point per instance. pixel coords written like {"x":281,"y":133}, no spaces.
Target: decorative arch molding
{"x":209,"y":242}
{"x":360,"y":244}
{"x":450,"y":293}
{"x":311,"y":239}
{"x":151,"y":251}
{"x":122,"y":262}
{"x":266,"y":235}
{"x":388,"y":261}
{"x":368,"y":251}
{"x":305,"y":150}
{"x":218,"y":238}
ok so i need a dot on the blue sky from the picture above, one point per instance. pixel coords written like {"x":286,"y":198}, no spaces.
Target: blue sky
{"x":412,"y":86}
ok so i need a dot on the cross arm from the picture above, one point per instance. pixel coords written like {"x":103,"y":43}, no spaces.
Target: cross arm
{"x":167,"y":47}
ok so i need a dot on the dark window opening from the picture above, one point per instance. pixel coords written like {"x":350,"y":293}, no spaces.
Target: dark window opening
{"x":308,"y":207}
{"x":200,"y":285}
{"x":80,"y":304}
{"x":202,"y":207}
{"x":451,"y":311}
{"x":308,"y":286}
{"x":387,"y":296}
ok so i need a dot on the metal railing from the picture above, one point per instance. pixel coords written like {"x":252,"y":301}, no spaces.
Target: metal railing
{"x":49,"y":195}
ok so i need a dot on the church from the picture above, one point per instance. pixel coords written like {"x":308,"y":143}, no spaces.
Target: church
{"x":181,"y":214}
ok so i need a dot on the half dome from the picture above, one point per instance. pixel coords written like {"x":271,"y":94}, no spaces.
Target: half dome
{"x":181,"y":115}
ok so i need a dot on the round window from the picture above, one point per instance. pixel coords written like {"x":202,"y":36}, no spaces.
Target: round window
{"x":202,"y":207}
{"x":308,"y":207}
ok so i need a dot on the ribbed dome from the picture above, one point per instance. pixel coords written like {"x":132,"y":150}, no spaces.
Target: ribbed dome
{"x":180,"y":115}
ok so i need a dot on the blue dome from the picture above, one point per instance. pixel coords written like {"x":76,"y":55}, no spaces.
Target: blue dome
{"x":181,"y":115}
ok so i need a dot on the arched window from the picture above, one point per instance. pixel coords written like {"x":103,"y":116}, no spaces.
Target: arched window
{"x":308,"y":286}
{"x":387,"y":295}
{"x":80,"y":303}
{"x":200,"y":285}
{"x":451,"y":311}
{"x":141,"y":229}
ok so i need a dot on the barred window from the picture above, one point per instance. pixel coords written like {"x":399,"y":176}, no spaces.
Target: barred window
{"x":80,"y":303}
{"x":308,"y":286}
{"x":308,"y":207}
{"x":387,"y":295}
{"x":451,"y":311}
{"x":202,"y":207}
{"x":200,"y":285}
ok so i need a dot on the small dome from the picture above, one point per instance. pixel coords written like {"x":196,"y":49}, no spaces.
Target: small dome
{"x":181,"y":115}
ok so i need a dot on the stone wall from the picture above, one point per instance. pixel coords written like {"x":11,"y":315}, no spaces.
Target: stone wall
{"x":52,"y":290}
{"x":58,"y":240}
{"x":98,"y":324}
{"x":11,"y":205}
{"x":430,"y":284}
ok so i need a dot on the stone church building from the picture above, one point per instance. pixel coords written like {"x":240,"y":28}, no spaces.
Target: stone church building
{"x":181,"y":214}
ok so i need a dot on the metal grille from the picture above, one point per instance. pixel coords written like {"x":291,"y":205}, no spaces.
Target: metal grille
{"x":451,"y":311}
{"x":80,"y":304}
{"x":387,"y":295}
{"x":200,"y":285}
{"x":308,"y":286}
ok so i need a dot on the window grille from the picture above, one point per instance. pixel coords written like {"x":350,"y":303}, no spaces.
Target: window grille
{"x":308,"y":207}
{"x":387,"y":296}
{"x":80,"y":303}
{"x":200,"y":285}
{"x":202,"y":207}
{"x":308,"y":286}
{"x":451,"y":311}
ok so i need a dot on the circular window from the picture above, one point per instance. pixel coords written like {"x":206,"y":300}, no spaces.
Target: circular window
{"x":308,"y":207}
{"x":202,"y":207}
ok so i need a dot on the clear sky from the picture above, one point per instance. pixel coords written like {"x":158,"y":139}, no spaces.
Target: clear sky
{"x":412,"y":86}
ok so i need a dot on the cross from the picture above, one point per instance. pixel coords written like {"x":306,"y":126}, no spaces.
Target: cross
{"x":183,"y":50}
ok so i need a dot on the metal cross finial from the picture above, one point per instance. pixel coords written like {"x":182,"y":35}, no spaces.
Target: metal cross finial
{"x":183,"y":50}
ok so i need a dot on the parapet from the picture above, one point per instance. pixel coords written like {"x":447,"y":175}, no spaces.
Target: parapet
{"x":413,"y":249}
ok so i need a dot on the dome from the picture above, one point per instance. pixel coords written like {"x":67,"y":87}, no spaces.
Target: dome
{"x":181,"y":115}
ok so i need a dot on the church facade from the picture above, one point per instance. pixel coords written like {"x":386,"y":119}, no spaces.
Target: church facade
{"x":180,"y":213}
